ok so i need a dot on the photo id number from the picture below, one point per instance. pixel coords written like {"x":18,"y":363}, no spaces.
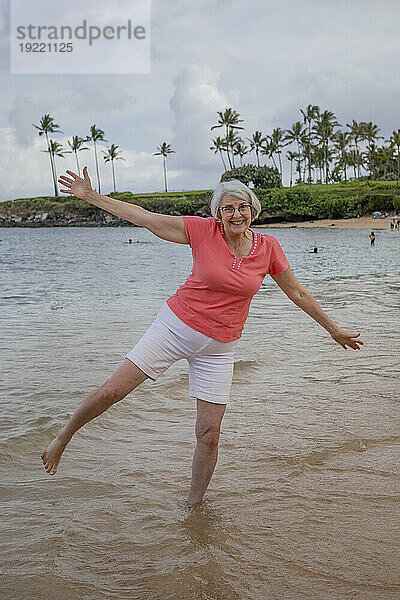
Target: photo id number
{"x":46,"y":47}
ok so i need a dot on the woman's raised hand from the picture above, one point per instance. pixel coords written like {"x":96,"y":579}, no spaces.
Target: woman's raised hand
{"x":77,"y":186}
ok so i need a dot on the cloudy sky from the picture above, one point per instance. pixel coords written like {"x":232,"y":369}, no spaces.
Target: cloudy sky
{"x":266,"y":59}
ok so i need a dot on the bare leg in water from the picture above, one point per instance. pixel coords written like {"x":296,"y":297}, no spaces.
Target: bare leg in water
{"x":208,"y":423}
{"x":122,"y":382}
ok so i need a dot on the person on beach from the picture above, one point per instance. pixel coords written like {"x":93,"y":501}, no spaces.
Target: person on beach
{"x":203,"y":321}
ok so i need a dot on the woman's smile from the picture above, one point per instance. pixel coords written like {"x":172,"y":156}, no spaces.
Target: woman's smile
{"x":240,"y":218}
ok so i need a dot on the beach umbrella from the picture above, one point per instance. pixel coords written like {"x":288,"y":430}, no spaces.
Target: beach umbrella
{"x":377,"y":214}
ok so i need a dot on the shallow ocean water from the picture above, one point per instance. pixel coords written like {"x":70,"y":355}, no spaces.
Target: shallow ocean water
{"x":304,"y":502}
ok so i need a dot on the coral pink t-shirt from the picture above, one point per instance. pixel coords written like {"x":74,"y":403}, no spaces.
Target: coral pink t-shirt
{"x":215,"y":298}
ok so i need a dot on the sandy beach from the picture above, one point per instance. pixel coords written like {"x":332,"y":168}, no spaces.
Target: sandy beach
{"x":365,"y":222}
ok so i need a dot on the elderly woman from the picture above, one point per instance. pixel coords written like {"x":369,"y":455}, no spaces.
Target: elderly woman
{"x":204,"y":319}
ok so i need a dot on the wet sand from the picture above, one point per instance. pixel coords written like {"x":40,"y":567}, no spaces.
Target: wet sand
{"x":365,"y":222}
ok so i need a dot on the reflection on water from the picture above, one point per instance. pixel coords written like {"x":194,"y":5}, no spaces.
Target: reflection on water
{"x":304,"y":501}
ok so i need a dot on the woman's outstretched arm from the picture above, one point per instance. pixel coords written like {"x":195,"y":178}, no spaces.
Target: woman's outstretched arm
{"x":304,"y":300}
{"x":167,"y":227}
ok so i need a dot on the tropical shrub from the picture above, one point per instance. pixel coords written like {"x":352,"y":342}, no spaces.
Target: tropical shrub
{"x":260,"y":177}
{"x":378,"y":201}
{"x":184,"y":206}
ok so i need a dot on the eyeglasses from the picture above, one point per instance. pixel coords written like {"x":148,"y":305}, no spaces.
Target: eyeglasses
{"x":230,"y":210}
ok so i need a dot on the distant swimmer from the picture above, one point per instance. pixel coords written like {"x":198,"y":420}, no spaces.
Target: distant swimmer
{"x":314,"y":251}
{"x":372,"y":238}
{"x":137,"y":242}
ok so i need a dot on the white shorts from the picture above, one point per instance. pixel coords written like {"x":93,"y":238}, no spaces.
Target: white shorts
{"x":168,"y":339}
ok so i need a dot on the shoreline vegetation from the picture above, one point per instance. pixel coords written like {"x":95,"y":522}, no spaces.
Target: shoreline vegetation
{"x":292,"y":206}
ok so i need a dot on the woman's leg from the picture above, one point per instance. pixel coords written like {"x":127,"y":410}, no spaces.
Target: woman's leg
{"x":208,"y":423}
{"x":121,"y":383}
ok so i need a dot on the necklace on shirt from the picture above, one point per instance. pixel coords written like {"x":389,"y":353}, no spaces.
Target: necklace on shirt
{"x":243,"y":248}
{"x":237,"y":260}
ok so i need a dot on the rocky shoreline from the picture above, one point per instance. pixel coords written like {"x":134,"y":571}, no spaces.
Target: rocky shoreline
{"x":46,"y":220}
{"x":97,"y":219}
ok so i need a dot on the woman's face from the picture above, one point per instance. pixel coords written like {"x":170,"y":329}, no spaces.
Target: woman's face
{"x":237,"y":221}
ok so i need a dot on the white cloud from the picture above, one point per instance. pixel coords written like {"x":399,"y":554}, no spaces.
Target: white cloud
{"x":23,"y":168}
{"x":22,"y":115}
{"x":197,"y":98}
{"x":97,"y":97}
{"x":195,"y":103}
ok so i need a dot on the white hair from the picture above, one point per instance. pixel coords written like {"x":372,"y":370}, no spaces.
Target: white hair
{"x":236,"y":188}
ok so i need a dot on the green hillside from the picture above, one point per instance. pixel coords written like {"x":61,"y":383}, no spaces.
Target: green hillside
{"x":340,"y":200}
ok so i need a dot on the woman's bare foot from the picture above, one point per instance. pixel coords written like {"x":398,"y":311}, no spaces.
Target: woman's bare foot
{"x":52,"y":455}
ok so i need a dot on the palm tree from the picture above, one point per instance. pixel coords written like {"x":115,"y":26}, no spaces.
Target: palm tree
{"x":256,"y":142}
{"x":231,"y":139}
{"x":395,"y":141}
{"x":229,"y":119}
{"x":304,"y":151}
{"x":371,"y":135}
{"x":96,"y":135}
{"x":365,"y":163}
{"x":76,"y":146}
{"x":386,"y":154}
{"x":278,"y":138}
{"x":219,"y":145}
{"x":240,"y":150}
{"x":357,"y":135}
{"x":352,"y":160}
{"x":111,"y":155}
{"x":309,"y":115}
{"x":295,"y":135}
{"x":324,"y":130}
{"x":341,"y":144}
{"x":317,"y":160}
{"x":55,"y":149}
{"x":307,"y":149}
{"x":268,"y":148}
{"x":336,"y":173}
{"x":163,"y":150}
{"x":45,"y":127}
{"x":291,"y":156}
